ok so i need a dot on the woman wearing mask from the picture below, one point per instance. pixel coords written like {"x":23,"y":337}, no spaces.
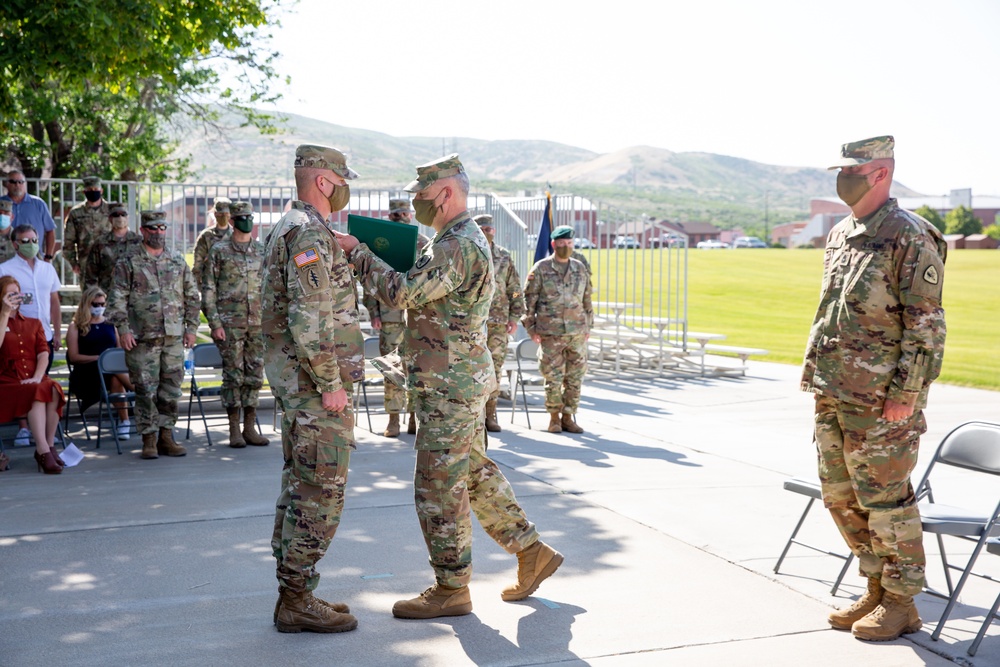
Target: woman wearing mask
{"x":24,"y":387}
{"x":90,"y":334}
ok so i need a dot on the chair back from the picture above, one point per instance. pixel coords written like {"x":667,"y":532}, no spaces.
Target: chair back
{"x":973,"y":446}
{"x":206,"y":355}
{"x":371,"y":347}
{"x":112,"y":360}
{"x":526,"y":350}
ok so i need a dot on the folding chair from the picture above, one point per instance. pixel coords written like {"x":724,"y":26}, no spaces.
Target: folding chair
{"x":526,"y":357}
{"x":79,"y":406}
{"x":111,"y":361}
{"x":373,"y":377}
{"x":992,"y":546}
{"x":810,"y":489}
{"x":973,"y":446}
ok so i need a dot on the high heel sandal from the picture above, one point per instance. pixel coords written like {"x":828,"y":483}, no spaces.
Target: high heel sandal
{"x":47,"y":463}
{"x":55,"y":455}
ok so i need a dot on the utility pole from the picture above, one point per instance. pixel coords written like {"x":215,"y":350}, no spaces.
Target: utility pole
{"x":767,"y":237}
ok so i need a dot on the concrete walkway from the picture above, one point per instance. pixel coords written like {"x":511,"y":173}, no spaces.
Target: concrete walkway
{"x":669,"y":510}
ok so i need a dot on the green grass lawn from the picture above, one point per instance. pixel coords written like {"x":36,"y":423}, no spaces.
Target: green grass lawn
{"x":767,"y":298}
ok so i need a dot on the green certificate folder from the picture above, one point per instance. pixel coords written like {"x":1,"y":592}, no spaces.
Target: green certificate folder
{"x":393,"y":242}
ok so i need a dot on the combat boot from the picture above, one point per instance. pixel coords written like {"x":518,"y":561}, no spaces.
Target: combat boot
{"x":896,"y":615}
{"x":236,"y":440}
{"x":338,"y":607}
{"x":555,"y":423}
{"x":569,"y":424}
{"x":492,"y":425}
{"x":149,"y":446}
{"x":250,"y":434}
{"x":392,"y":430}
{"x":166,"y":444}
{"x":535,"y":564}
{"x":411,"y":424}
{"x":436,"y":601}
{"x":300,"y":611}
{"x":844,"y":619}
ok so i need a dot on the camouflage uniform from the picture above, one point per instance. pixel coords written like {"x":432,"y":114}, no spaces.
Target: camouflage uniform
{"x":6,"y":240}
{"x":154,"y":299}
{"x":878,"y":334}
{"x":83,"y":225}
{"x":558,"y":308}
{"x":204,"y":244}
{"x":507,"y":306}
{"x":577,"y":255}
{"x":450,"y":375}
{"x":312,"y":344}
{"x":231,"y":300}
{"x":106,"y":252}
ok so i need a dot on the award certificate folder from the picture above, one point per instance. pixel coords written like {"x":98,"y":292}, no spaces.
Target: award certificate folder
{"x":393,"y":242}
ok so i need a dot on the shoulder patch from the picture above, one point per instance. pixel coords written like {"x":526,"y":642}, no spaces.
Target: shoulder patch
{"x":306,"y":257}
{"x":422,"y":261}
{"x":931,"y":275}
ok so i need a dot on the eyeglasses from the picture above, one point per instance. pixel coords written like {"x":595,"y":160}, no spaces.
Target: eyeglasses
{"x":15,"y":181}
{"x":98,"y":304}
{"x":26,"y":240}
{"x":118,"y":215}
{"x":158,"y":228}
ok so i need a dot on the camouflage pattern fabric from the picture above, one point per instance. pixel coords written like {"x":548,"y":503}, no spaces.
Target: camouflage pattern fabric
{"x":507,"y":306}
{"x":208,"y":238}
{"x":312,"y":344}
{"x":83,"y":225}
{"x":578,"y":256}
{"x":106,"y":252}
{"x":231,"y":300}
{"x":390,"y":338}
{"x":448,"y":482}
{"x":156,"y":367}
{"x":557,"y":299}
{"x":153,"y":296}
{"x":864,"y":469}
{"x":7,"y":245}
{"x":563,"y":363}
{"x":496,"y":340}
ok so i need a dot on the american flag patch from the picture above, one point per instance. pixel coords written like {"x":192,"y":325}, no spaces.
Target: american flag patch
{"x":306,"y":258}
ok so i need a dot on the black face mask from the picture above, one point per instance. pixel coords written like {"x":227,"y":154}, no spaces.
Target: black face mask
{"x":92,"y":195}
{"x":243,"y":224}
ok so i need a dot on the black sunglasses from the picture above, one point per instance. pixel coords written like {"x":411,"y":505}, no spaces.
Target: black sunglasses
{"x":118,"y":215}
{"x":98,"y":305}
{"x":159,"y":228}
{"x":15,"y":181}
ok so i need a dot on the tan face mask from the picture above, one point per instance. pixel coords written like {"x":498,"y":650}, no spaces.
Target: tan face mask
{"x":340,"y":197}
{"x":562,"y":252}
{"x":851,"y":188}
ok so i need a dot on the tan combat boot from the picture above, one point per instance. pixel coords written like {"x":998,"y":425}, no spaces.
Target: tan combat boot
{"x":250,"y":434}
{"x":569,"y":424}
{"x":555,"y":423}
{"x":149,"y":446}
{"x":411,"y":424}
{"x":895,"y":616}
{"x":392,"y":430}
{"x":492,"y":425}
{"x":338,"y":607}
{"x":300,"y":611}
{"x":436,"y":601}
{"x":844,"y":619}
{"x":535,"y":564}
{"x":236,"y":440}
{"x":166,"y":445}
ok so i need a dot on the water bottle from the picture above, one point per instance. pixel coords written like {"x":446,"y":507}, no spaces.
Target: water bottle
{"x":189,"y":361}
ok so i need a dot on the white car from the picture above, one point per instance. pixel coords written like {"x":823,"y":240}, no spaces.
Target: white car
{"x":749,"y":242}
{"x":711,"y":244}
{"x":580,"y":242}
{"x":626,"y":242}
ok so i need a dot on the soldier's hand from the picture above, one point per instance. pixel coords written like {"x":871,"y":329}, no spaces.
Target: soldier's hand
{"x":189,"y":340}
{"x":347,"y":242}
{"x":536,"y":338}
{"x":128,"y":342}
{"x":376,"y":323}
{"x":335,"y":401}
{"x":512,"y":326}
{"x":219,"y":334}
{"x":895,"y":412}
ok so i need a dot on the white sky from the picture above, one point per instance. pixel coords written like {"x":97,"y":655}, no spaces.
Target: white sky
{"x":776,"y":81}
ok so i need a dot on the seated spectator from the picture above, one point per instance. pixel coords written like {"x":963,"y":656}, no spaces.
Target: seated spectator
{"x":90,"y":334}
{"x":24,"y":387}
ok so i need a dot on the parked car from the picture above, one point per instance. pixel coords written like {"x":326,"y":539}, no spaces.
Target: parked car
{"x":579,"y":242}
{"x":749,"y":242}
{"x":666,"y":241}
{"x":711,"y":244}
{"x":625,"y":242}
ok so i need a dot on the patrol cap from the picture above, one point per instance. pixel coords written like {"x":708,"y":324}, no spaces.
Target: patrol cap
{"x":443,"y":167}
{"x":483,"y":220}
{"x":864,"y":151}
{"x":221,"y":204}
{"x":153,"y":217}
{"x":6,"y":205}
{"x":117,"y":207}
{"x":399,"y":205}
{"x":562,"y":232}
{"x":91,"y":181}
{"x":323,"y":157}
{"x":241,"y":209}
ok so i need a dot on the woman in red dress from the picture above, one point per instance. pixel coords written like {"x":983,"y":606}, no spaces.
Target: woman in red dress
{"x":24,"y":387}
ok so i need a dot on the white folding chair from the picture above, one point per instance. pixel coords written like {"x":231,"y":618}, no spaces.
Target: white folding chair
{"x":526,"y":358}
{"x":111,"y":362}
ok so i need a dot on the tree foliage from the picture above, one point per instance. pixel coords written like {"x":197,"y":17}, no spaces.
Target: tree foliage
{"x":90,"y":87}
{"x":931,"y":216}
{"x":961,"y":221}
{"x":993,"y":231}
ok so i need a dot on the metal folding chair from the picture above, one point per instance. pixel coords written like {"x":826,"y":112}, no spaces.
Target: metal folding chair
{"x":373,"y":377}
{"x":112,"y":361}
{"x":526,"y":358}
{"x":79,"y":406}
{"x":993,"y":547}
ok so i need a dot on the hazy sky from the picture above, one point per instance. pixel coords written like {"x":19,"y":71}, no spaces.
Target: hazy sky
{"x":776,"y":81}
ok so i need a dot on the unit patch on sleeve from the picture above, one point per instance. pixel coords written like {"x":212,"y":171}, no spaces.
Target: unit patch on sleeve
{"x":306,"y":257}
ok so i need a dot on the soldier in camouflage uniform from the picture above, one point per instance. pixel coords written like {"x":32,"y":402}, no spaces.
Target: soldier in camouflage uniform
{"x":447,"y":296}
{"x":875,"y":347}
{"x":313,"y":355}
{"x":110,"y":247}
{"x":506,"y":309}
{"x":230,"y":297}
{"x":84,"y":223}
{"x":7,"y":250}
{"x":220,"y":231}
{"x":558,"y":316}
{"x":154,"y":305}
{"x":389,"y":324}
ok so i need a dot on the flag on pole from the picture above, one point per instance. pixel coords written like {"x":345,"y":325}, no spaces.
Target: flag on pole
{"x":544,"y":247}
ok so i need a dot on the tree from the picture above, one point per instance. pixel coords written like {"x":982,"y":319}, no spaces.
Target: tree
{"x":91,"y":87}
{"x":993,"y":231}
{"x":931,"y":216}
{"x":961,"y":221}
